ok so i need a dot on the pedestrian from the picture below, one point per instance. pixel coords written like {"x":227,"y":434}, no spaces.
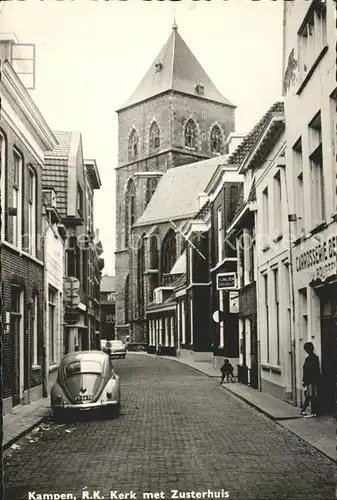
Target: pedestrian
{"x":227,"y":371}
{"x":311,"y":377}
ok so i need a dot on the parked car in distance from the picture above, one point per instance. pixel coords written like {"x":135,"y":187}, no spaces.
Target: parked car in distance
{"x":117,"y":348}
{"x":86,"y":381}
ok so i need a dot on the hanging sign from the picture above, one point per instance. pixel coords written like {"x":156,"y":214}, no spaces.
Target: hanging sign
{"x":226,"y":281}
{"x":234,"y":302}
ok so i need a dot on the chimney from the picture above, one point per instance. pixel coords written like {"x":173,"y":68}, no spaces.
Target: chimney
{"x":233,"y":141}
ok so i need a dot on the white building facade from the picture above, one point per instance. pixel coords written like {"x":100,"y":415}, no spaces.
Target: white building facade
{"x":55,"y":239}
{"x":275,"y":309}
{"x":310,"y":111}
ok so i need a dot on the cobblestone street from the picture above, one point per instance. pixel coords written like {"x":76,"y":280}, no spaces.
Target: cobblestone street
{"x":177,"y":430}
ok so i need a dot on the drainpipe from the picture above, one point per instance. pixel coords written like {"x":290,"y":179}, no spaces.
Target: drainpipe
{"x":44,"y":343}
{"x":292,"y":300}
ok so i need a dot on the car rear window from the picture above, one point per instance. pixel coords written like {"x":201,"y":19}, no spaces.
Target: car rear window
{"x":83,"y":367}
{"x":117,"y":343}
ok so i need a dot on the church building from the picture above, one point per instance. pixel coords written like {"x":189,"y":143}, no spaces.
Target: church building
{"x":175,"y":117}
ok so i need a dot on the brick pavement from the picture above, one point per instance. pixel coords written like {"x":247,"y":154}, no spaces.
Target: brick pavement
{"x":178,"y":430}
{"x":23,"y":419}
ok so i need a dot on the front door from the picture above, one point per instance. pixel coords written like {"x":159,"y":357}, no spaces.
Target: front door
{"x":329,"y":353}
{"x":17,"y":345}
{"x":329,"y":357}
{"x":254,"y":371}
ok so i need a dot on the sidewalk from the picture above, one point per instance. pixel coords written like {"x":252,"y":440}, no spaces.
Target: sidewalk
{"x":319,"y":432}
{"x":23,"y":419}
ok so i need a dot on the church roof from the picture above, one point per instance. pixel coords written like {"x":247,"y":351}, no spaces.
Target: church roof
{"x":178,"y":70}
{"x":176,"y":196}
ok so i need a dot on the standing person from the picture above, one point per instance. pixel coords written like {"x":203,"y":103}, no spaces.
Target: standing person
{"x":311,"y":376}
{"x":227,"y":371}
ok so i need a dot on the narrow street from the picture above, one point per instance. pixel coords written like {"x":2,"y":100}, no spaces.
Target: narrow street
{"x":177,"y":430}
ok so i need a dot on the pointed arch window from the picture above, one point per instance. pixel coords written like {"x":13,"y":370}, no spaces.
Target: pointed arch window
{"x":168,"y":252}
{"x":216,"y":140}
{"x":140,"y":275}
{"x":154,"y":136}
{"x":151,"y":186}
{"x":126,"y":300}
{"x":130,"y":209}
{"x":133,"y":144}
{"x":191,"y":134}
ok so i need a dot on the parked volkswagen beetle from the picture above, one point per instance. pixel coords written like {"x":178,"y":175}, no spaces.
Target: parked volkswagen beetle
{"x":86,"y":381}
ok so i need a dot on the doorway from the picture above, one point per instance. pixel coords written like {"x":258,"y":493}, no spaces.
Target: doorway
{"x":329,"y":350}
{"x":17,"y":331}
{"x":254,"y":370}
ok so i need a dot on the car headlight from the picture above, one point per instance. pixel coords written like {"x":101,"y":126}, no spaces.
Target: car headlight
{"x":58,"y":399}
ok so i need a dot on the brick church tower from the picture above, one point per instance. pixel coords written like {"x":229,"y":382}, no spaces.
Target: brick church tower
{"x":174,"y":117}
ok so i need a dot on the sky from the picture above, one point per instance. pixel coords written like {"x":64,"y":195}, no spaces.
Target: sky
{"x":91,"y":55}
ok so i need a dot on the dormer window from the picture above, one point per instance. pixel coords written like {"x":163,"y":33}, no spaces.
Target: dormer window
{"x":200,"y":89}
{"x":158,"y":66}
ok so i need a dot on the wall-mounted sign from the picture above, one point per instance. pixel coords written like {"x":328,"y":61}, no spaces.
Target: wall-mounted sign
{"x":226,"y":281}
{"x":234,"y":302}
{"x":321,"y":259}
{"x":218,"y":316}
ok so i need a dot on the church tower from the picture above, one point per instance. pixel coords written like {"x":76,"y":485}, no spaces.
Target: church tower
{"x":174,"y":117}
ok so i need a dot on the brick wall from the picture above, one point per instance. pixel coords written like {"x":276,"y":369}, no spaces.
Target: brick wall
{"x":18,"y":268}
{"x":247,"y":300}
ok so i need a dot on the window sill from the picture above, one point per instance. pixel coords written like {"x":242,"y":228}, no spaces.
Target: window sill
{"x":21,"y":252}
{"x":265,"y":248}
{"x":272,"y":369}
{"x":36,"y":367}
{"x":278,"y":238}
{"x":318,"y":227}
{"x":311,"y":70}
{"x":53,"y":367}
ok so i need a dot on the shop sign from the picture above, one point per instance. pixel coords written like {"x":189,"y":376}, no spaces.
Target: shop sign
{"x":320,"y":260}
{"x":234,"y":302}
{"x":226,"y":281}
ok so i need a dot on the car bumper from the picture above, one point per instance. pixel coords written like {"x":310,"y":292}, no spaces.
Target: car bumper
{"x":117,"y":354}
{"x":85,"y":406}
